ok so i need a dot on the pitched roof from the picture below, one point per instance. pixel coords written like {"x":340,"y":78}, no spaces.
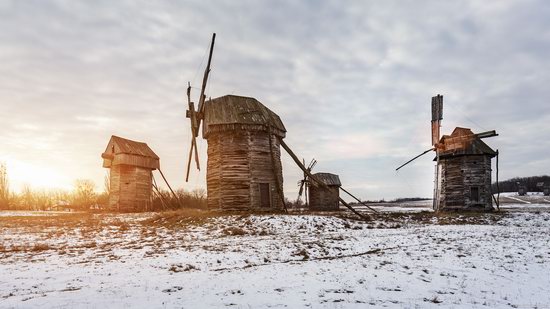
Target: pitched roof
{"x":127,"y":146}
{"x":231,"y":110}
{"x":463,"y":142}
{"x":328,"y":179}
{"x":121,"y":151}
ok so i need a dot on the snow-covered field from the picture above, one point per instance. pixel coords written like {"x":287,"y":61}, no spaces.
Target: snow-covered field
{"x":401,"y":260}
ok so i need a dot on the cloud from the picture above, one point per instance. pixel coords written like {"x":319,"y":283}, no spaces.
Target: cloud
{"x":352,"y":81}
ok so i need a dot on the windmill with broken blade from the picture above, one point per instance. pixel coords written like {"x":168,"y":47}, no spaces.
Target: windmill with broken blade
{"x":463,"y":166}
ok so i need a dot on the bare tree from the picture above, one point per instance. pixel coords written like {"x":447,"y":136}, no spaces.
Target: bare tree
{"x":4,"y":187}
{"x":84,"y":195}
{"x":26,"y":198}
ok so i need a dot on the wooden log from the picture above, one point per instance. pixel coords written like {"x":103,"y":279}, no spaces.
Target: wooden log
{"x":425,"y":152}
{"x":357,"y":199}
{"x":160,"y":195}
{"x":204,"y":80}
{"x":498,"y":188}
{"x":169,"y":187}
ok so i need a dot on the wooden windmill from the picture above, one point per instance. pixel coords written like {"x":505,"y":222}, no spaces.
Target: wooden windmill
{"x":244,"y":137}
{"x":244,"y":169}
{"x":463,"y":169}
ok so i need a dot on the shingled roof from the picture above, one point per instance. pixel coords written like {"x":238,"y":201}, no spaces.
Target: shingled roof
{"x":463,"y":142}
{"x":328,"y":179}
{"x":123,"y":145}
{"x":230,"y":111}
{"x":128,"y":152}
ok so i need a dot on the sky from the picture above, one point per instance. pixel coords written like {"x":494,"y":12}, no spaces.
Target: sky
{"x":351,"y":80}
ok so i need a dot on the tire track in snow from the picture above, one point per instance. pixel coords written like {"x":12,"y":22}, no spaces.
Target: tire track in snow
{"x":517,"y":199}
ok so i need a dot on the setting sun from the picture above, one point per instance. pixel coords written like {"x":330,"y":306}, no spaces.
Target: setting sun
{"x":37,"y":177}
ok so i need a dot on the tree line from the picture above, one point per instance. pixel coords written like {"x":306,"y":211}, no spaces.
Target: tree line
{"x":83,"y":197}
{"x":530,"y":183}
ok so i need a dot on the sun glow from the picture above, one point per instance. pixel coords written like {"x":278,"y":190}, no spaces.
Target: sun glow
{"x":21,"y":174}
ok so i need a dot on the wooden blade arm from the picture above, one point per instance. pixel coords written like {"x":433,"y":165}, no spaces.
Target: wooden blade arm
{"x":189,"y":159}
{"x":487,"y":134}
{"x":205,"y":78}
{"x":425,"y":152}
{"x":301,"y":188}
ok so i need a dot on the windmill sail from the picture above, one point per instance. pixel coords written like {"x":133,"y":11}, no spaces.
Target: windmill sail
{"x":196,"y":115}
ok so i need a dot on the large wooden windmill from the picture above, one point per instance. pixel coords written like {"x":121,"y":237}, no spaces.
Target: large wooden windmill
{"x":244,"y":168}
{"x":463,"y":169}
{"x":244,"y":137}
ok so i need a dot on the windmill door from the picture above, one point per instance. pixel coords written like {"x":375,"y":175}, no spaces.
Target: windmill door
{"x":265,"y":198}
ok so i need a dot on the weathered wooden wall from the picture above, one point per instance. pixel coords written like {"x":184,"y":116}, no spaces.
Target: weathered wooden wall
{"x":130,"y":188}
{"x":238,"y":162}
{"x":324,"y":199}
{"x":458,"y":175}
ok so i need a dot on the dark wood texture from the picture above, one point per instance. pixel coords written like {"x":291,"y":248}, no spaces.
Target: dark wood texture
{"x":238,"y":162}
{"x":460,"y":177}
{"x":324,"y":198}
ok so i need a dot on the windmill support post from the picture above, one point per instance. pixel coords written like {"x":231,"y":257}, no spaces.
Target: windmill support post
{"x":358,"y":200}
{"x":158,"y":193}
{"x":322,"y":184}
{"x":436,"y":184}
{"x":498,"y":187}
{"x":169,"y":187}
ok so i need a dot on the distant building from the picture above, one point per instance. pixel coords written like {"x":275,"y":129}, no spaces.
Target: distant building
{"x":522,"y":190}
{"x":324,"y":198}
{"x":464,"y":172}
{"x":546,"y":190}
{"x":131,"y":165}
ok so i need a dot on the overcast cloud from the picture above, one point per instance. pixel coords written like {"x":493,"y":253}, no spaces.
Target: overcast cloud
{"x":351,"y":80}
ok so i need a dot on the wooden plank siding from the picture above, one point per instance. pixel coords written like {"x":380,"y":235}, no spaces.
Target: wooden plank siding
{"x":130,"y":188}
{"x":460,"y":176}
{"x":323,"y":198}
{"x":238,"y":162}
{"x":132,"y":164}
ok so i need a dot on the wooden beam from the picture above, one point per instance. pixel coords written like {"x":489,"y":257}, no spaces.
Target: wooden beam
{"x":169,"y":187}
{"x":322,"y":184}
{"x":486,"y":134}
{"x":358,"y":200}
{"x":158,"y":193}
{"x":425,"y":152}
{"x":498,"y":187}
{"x":204,"y":81}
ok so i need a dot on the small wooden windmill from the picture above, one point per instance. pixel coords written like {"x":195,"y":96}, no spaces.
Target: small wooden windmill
{"x":463,"y":169}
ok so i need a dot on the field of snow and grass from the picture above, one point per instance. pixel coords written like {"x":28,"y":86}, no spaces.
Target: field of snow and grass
{"x":197,"y":260}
